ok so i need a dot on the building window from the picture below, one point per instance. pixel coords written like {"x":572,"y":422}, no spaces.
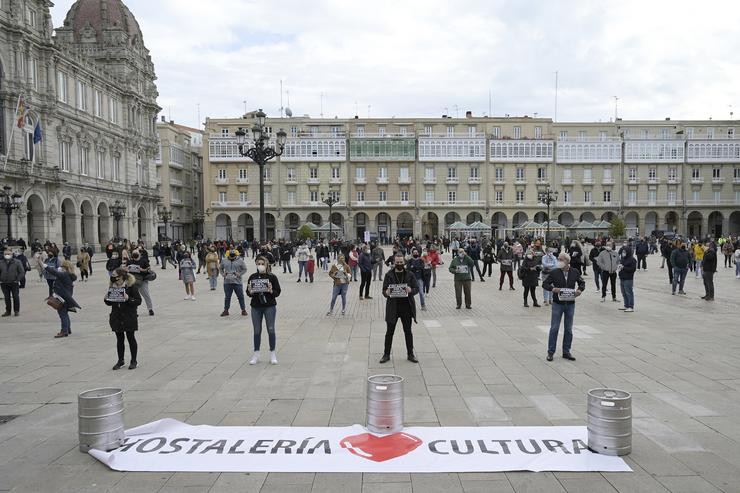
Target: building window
{"x":563,"y":135}
{"x":717,"y":196}
{"x":602,"y":135}
{"x":695,"y":173}
{"x":520,"y":196}
{"x":496,"y":132}
{"x":268,"y":197}
{"x":537,"y":132}
{"x":335,"y":173}
{"x":404,"y":195}
{"x":402,"y":131}
{"x":113,"y":110}
{"x":33,"y":70}
{"x":224,"y":132}
{"x":632,"y":174}
{"x":652,"y":197}
{"x":736,"y":174}
{"x":222,"y":174}
{"x":475,"y":172}
{"x":567,"y":175}
{"x":695,"y":195}
{"x":222,"y":197}
{"x":429,"y":196}
{"x":731,"y":133}
{"x":360,"y":173}
{"x":671,"y":197}
{"x":62,"y":87}
{"x":313,"y":196}
{"x":607,"y":174}
{"x":716,"y":173}
{"x":499,"y":197}
{"x":474,"y":196}
{"x":652,"y":173}
{"x":566,"y":197}
{"x":517,"y":132}
{"x":266,"y":173}
{"x":243,"y":173}
{"x":451,"y":172}
{"x":672,"y":174}
{"x":294,"y":131}
{"x":587,"y":175}
{"x":360,"y":196}
{"x":313,"y":173}
{"x":588,"y":197}
{"x":607,"y":197}
{"x":710,"y":133}
{"x":472,"y":131}
{"x":631,"y":197}
{"x":98,"y":103}
{"x":383,"y":196}
{"x":360,"y":131}
{"x":541,"y":174}
{"x":429,"y":174}
{"x":451,"y":196}
{"x":81,"y":96}
{"x":403,"y":173}
{"x":291,"y":174}
{"x":381,"y":131}
{"x":581,"y":135}
{"x":450,"y":131}
{"x":291,"y":198}
{"x":84,"y":161}
{"x":116,"y":168}
{"x":499,"y":174}
{"x":383,"y":172}
{"x":101,"y":164}
{"x":520,"y":174}
{"x":428,"y":130}
{"x":690,"y":133}
{"x":243,"y":197}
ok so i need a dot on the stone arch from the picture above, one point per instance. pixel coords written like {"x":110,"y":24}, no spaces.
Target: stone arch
{"x":385,"y":231}
{"x":734,"y":223}
{"x":69,"y":223}
{"x":337,"y":218}
{"x":566,"y":218}
{"x":292,"y":223}
{"x":451,"y":217}
{"x":362,"y":224}
{"x":35,"y":215}
{"x":223,"y":227}
{"x":87,"y":220}
{"x":694,"y":224}
{"x":587,"y":216}
{"x":632,"y":223}
{"x":429,"y":225}
{"x":245,"y":226}
{"x":540,"y":217}
{"x":671,"y":221}
{"x":141,"y":223}
{"x":519,"y":219}
{"x":651,"y":222}
{"x":714,"y":224}
{"x":608,"y":216}
{"x":104,"y":224}
{"x":269,"y":226}
{"x":314,"y":218}
{"x":473,"y":217}
{"x":499,"y":224}
{"x":405,"y":224}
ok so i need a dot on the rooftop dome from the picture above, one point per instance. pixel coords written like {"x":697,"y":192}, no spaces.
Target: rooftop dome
{"x":88,"y":19}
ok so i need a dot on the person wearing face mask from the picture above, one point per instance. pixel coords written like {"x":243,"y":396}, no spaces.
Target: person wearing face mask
{"x":592,"y":256}
{"x":529,"y":273}
{"x":549,"y":263}
{"x":474,"y":252}
{"x":263,"y":287}
{"x":11,"y":275}
{"x":608,"y":261}
{"x":576,"y":255}
{"x":211,"y":267}
{"x":139,"y":267}
{"x":113,"y":263}
{"x":63,"y":289}
{"x":187,"y":274}
{"x":506,"y":259}
{"x":123,"y":318}
{"x":232,"y":269}
{"x":563,"y":277}
{"x":399,"y":288}
{"x":302,"y":254}
{"x":52,"y":260}
{"x":627,"y":268}
{"x":83,"y":263}
{"x":462,"y":267}
{"x":680,"y":259}
{"x":416,"y":268}
{"x":365,"y":262}
{"x":340,"y":273}
{"x":709,"y":267}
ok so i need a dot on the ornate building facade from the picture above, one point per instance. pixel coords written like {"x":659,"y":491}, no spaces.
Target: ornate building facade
{"x":90,"y":85}
{"x":417,"y":176}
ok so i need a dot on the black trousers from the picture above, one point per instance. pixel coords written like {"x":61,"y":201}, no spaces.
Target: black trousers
{"x":11,"y":289}
{"x":488,"y":267}
{"x":365,"y":280}
{"x":708,"y":278}
{"x":132,"y":344}
{"x":641,"y":262}
{"x":477,"y":268}
{"x":612,"y":278}
{"x":669,"y":265}
{"x":501,"y":279}
{"x":403,"y":313}
{"x":530,"y":289}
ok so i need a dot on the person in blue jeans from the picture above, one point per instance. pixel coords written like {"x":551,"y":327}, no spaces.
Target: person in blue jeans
{"x":263,"y":287}
{"x":680,"y":259}
{"x":563,"y":277}
{"x":232,"y":269}
{"x":626,"y":272}
{"x":341,"y":275}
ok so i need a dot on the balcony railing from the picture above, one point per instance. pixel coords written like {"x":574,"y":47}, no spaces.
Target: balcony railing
{"x":520,"y":180}
{"x":633,"y":180}
{"x":383,"y":203}
{"x":714,"y":150}
{"x":381,"y":180}
{"x":736,"y":180}
{"x":360,"y":180}
{"x":588,"y":181}
{"x":335,"y":180}
{"x":673,"y":180}
{"x":291,"y":180}
{"x":452,"y":180}
{"x":521,"y":150}
{"x":568,"y":181}
{"x":697,"y":180}
{"x":176,"y":201}
{"x":227,"y":204}
{"x":653,"y":181}
{"x":718,"y":180}
{"x":221,"y":181}
{"x":607,"y":181}
{"x":651,"y":151}
{"x":404,"y":180}
{"x":242,"y":181}
{"x":543,"y":181}
{"x":176,"y":183}
{"x":312,"y":181}
{"x":430,"y":180}
{"x":711,"y":202}
{"x":474,"y":180}
{"x":589,"y":151}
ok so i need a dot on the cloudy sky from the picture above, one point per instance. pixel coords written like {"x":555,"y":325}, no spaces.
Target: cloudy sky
{"x":428,"y":57}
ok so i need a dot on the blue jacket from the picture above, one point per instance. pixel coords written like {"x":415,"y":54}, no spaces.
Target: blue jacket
{"x":365,"y":261}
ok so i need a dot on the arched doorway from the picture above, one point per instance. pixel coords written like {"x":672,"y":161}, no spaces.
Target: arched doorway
{"x":473,"y":217}
{"x":587,"y":216}
{"x":714,"y":228}
{"x":223,"y":227}
{"x":245,"y":226}
{"x":315,"y":218}
{"x":292,"y":223}
{"x":69,"y":225}
{"x":141,"y":224}
{"x":86,"y":222}
{"x":383,"y":221}
{"x":405,"y":225}
{"x":337,"y":219}
{"x":361,"y":224}
{"x":566,"y":218}
{"x":35,"y":218}
{"x":734,"y":223}
{"x":450,"y":218}
{"x":671,"y":221}
{"x":651,"y":222}
{"x":540,"y":217}
{"x":430,"y":225}
{"x":270,"y":226}
{"x":519,"y":219}
{"x":104,"y":224}
{"x":608,"y":216}
{"x":631,"y":222}
{"x":694,"y":224}
{"x":499,"y":224}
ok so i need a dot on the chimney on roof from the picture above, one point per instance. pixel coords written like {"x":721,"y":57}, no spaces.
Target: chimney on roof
{"x":668,"y":118}
{"x":163,"y":120}
{"x":468,"y":114}
{"x":172,"y":122}
{"x":444,"y":116}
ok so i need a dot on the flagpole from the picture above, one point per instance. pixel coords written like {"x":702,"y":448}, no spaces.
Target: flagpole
{"x":12,"y":131}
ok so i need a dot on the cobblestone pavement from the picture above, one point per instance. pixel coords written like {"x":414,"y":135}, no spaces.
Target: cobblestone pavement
{"x":485,"y":366}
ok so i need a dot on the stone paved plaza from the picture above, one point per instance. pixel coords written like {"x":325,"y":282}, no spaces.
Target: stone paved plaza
{"x":485,"y":366}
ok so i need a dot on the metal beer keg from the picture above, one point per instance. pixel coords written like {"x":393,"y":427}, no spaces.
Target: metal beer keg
{"x":610,"y":421}
{"x":100,"y":414}
{"x":385,"y":403}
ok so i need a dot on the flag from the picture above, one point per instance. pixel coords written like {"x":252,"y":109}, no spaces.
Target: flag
{"x":22,"y":112}
{"x":37,"y":133}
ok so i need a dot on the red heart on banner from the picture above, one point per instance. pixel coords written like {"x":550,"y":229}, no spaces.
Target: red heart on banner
{"x":380,"y":449}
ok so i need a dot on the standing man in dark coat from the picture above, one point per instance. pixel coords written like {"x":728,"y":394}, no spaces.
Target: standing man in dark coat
{"x":474,"y":252}
{"x":709,"y":268}
{"x":399,"y":307}
{"x":11,"y":275}
{"x":563,"y":277}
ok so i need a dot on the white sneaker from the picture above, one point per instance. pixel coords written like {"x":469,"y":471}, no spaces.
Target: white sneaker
{"x":192,"y":298}
{"x":186,"y":297}
{"x":629,"y":310}
{"x":273,"y":358}
{"x":603,"y":299}
{"x":255,"y":358}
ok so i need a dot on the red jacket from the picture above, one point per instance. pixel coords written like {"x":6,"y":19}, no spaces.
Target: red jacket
{"x":434,"y":257}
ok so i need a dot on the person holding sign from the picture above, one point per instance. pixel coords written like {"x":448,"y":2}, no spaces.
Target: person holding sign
{"x":263,"y":287}
{"x":124,"y":299}
{"x":462,"y":267}
{"x":399,"y":288}
{"x":566,"y":285}
{"x":341,"y":274}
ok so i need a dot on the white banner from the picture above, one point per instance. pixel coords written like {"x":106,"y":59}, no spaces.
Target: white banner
{"x":169,"y":445}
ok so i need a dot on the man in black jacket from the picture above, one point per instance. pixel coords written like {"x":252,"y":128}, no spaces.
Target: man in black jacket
{"x":709,"y":267}
{"x":399,"y":307}
{"x":11,"y":274}
{"x":560,"y":279}
{"x":474,"y":253}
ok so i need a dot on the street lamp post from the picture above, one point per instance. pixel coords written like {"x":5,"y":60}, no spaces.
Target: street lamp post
{"x":118,"y":209}
{"x":260,"y":154}
{"x":165,"y":215}
{"x":9,"y":202}
{"x":330,"y":200}
{"x":548,"y":197}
